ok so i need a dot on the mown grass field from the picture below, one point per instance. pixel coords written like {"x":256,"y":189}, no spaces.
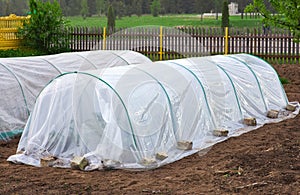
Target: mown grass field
{"x":167,"y":20}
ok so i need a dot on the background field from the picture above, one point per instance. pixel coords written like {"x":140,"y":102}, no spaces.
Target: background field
{"x":167,"y":20}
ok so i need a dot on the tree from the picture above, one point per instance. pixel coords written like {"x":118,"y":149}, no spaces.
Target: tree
{"x":137,"y":7}
{"x":225,"y":15}
{"x":100,"y":6}
{"x":249,"y":8}
{"x":184,"y":6}
{"x":6,"y":7}
{"x":73,"y":7}
{"x":119,"y":8}
{"x":111,"y":18}
{"x":129,"y":7}
{"x":92,"y":7}
{"x":84,"y":9}
{"x":155,"y":8}
{"x":47,"y":30}
{"x":242,"y":4}
{"x":288,"y":14}
{"x":145,"y":7}
{"x":217,"y":8}
{"x":201,"y":7}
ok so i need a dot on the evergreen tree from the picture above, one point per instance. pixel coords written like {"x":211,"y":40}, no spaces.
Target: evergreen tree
{"x":155,"y":8}
{"x":92,"y":7}
{"x":74,"y":7}
{"x":63,"y":4}
{"x":84,"y":9}
{"x":145,"y":7}
{"x":217,"y":2}
{"x":137,"y":7}
{"x":119,"y":9}
{"x":100,"y":7}
{"x":201,"y":7}
{"x":6,"y":6}
{"x":165,"y":6}
{"x":129,"y":7}
{"x":111,"y":18}
{"x":225,"y":14}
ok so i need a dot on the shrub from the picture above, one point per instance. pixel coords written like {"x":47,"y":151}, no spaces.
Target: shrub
{"x":19,"y":53}
{"x":47,"y":30}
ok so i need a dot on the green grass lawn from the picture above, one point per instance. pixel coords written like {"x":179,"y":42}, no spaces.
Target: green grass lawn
{"x":167,"y":20}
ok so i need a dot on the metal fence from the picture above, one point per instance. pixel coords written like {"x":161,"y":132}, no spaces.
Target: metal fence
{"x":274,"y":45}
{"x":8,"y":29}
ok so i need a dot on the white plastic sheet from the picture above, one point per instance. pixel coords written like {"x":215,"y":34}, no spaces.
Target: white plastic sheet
{"x":124,"y":117}
{"x":23,"y":78}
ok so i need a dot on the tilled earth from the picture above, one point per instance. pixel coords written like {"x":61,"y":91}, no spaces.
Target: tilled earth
{"x":263,"y":161}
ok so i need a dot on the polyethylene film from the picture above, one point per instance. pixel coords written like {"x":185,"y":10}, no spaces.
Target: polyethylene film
{"x":23,"y":78}
{"x":147,"y":115}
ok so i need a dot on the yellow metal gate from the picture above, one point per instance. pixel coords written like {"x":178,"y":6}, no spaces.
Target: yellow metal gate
{"x":8,"y":29}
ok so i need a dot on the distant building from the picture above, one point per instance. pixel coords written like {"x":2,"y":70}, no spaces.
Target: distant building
{"x":233,"y":8}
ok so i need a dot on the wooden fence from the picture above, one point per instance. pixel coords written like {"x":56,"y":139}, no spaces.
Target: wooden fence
{"x":275,"y":45}
{"x":8,"y":28}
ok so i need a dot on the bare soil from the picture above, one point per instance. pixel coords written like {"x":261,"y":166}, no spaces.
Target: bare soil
{"x":263,"y":161}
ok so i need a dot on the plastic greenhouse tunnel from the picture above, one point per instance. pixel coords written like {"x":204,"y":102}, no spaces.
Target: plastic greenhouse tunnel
{"x":148,"y":115}
{"x":23,"y":78}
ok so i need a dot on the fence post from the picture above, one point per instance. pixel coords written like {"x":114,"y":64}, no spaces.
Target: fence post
{"x":226,"y":40}
{"x":160,"y":43}
{"x":104,"y":39}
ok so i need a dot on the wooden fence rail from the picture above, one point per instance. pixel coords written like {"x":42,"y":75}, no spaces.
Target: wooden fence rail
{"x":274,"y":45}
